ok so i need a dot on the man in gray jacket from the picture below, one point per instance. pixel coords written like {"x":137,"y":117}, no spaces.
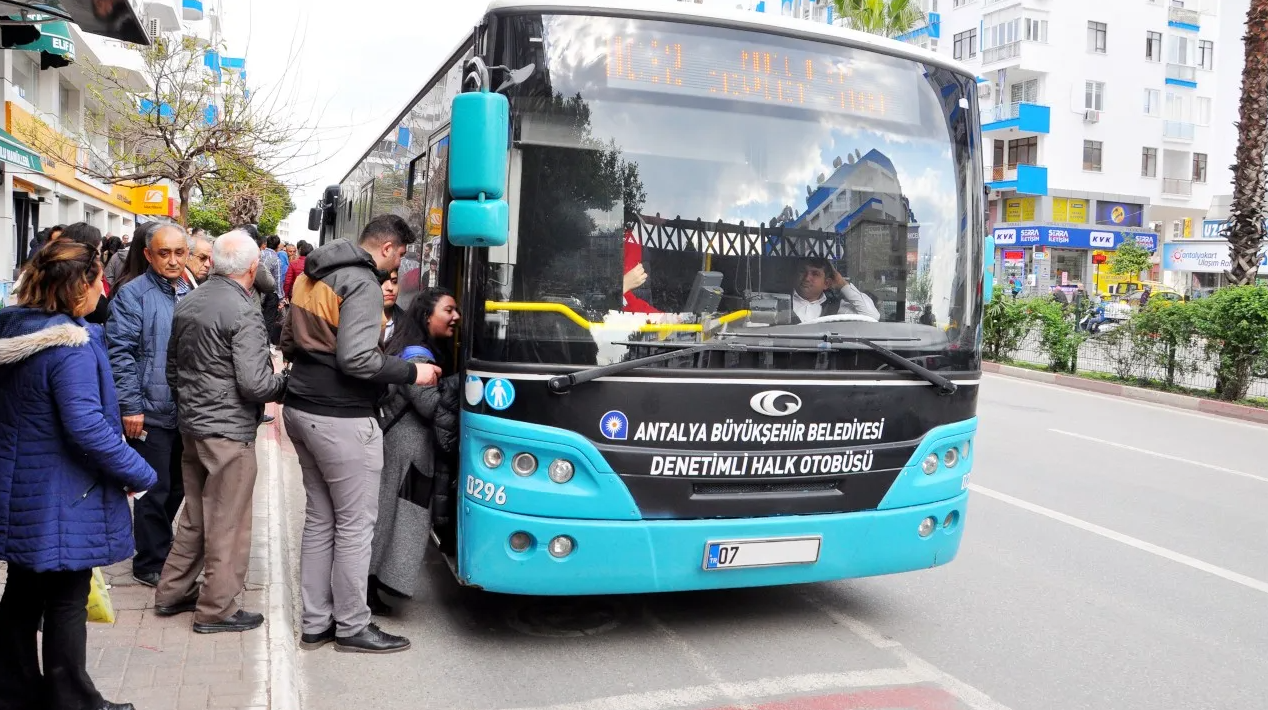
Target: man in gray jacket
{"x":218,"y":366}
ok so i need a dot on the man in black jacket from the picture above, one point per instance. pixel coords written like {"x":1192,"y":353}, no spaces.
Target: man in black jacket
{"x":340,"y":373}
{"x":219,"y":368}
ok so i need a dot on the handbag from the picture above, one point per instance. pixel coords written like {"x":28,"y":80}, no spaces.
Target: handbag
{"x":100,"y":607}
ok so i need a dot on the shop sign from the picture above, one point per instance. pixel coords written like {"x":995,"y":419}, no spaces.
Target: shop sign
{"x":1014,"y":255}
{"x":1019,"y":209}
{"x":1069,"y":209}
{"x":1119,"y":214}
{"x":1070,"y":237}
{"x":1214,"y":229}
{"x":151,"y":200}
{"x":1212,"y":258}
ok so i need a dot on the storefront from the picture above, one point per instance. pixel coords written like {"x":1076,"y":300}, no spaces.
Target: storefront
{"x":1046,"y":256}
{"x":1198,"y":267}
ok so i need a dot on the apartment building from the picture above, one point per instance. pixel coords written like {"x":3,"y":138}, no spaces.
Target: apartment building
{"x":1101,"y":122}
{"x":45,"y":93}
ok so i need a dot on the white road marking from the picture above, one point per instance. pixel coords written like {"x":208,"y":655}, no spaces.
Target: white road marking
{"x":1193,"y":562}
{"x":1169,"y":457}
{"x":917,"y":666}
{"x":1155,"y":406}
{"x":758,"y":690}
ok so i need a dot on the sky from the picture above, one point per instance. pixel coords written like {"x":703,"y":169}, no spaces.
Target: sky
{"x":346,"y":76}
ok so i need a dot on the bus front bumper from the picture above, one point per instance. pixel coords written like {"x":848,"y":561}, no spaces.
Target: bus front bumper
{"x":631,"y":557}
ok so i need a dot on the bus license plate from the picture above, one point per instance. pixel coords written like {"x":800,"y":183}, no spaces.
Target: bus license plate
{"x":735,"y":554}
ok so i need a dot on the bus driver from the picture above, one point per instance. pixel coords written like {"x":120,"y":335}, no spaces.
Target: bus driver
{"x":823,"y":291}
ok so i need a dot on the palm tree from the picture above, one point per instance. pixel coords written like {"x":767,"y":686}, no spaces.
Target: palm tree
{"x":1250,"y":181}
{"x":888,"y":18}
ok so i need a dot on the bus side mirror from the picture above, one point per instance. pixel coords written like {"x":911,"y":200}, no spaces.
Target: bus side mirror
{"x":479,"y":150}
{"x":988,"y":268}
{"x":314,"y":219}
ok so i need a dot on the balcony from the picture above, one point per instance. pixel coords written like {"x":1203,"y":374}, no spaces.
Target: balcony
{"x":1021,"y":117}
{"x":1176,"y":187}
{"x":165,"y":11}
{"x":1177,"y":131}
{"x":1021,"y":178}
{"x":1001,"y":53}
{"x":1182,"y":75}
{"x":1183,"y":19}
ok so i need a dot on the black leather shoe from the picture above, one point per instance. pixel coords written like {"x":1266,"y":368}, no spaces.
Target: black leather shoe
{"x":371,"y":640}
{"x":181,"y":607}
{"x":312,"y":642}
{"x":268,"y":419}
{"x":107,"y":705}
{"x":243,"y":620}
{"x":149,"y":579}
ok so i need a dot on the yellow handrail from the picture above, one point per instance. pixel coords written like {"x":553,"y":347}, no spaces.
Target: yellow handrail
{"x":561,"y":309}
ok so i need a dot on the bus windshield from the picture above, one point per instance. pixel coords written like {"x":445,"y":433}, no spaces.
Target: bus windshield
{"x":672,"y":183}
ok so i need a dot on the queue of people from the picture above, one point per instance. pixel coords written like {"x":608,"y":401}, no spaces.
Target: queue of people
{"x":149,"y":385}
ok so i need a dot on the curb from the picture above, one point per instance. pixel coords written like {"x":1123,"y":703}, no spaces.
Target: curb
{"x":283,"y":654}
{"x":1178,"y":401}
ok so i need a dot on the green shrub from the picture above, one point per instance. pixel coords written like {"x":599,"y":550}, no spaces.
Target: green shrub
{"x":1234,"y":322}
{"x":1059,"y":334}
{"x":1004,"y":325}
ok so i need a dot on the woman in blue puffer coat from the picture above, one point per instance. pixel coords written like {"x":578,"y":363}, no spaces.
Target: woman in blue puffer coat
{"x":65,"y":475}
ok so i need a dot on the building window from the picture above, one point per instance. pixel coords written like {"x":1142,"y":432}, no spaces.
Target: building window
{"x":26,"y":77}
{"x":1023,"y":151}
{"x":1206,"y":54}
{"x":1092,"y":156}
{"x":1153,"y":46}
{"x":1024,"y":92}
{"x":1094,"y":95}
{"x":1035,"y":30}
{"x":960,"y":3}
{"x":1202,"y":110}
{"x":964,"y":45}
{"x":1096,"y":36}
{"x":1153,"y":102}
{"x":1149,"y":162}
{"x":1199,"y":167}
{"x":1181,"y":51}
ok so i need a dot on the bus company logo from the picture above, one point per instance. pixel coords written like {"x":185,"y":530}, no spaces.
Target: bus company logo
{"x":1029,"y":236}
{"x":615,"y":426}
{"x":1005,"y":236}
{"x":775,"y":403}
{"x":1101,"y":240}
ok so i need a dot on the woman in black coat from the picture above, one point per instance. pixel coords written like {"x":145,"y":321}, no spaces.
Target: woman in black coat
{"x":420,"y":442}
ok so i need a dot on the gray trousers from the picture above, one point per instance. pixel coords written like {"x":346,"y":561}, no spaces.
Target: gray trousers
{"x":342,"y":461}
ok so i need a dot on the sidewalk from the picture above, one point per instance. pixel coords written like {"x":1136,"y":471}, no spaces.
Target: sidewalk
{"x":161,"y":664}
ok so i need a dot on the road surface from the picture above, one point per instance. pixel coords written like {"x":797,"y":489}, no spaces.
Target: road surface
{"x":1115,"y":558}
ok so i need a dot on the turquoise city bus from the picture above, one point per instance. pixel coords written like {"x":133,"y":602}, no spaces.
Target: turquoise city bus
{"x":722,"y":279}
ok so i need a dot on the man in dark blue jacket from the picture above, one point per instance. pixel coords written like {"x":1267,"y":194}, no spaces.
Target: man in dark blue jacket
{"x":138,"y":331}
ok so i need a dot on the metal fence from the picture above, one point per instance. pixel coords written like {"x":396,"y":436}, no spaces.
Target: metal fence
{"x":1111,"y":355}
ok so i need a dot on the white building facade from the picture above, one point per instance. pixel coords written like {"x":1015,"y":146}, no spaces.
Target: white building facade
{"x":1102,"y":122}
{"x":40,"y":191}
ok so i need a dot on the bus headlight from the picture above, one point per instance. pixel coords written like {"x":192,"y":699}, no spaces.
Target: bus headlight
{"x":930,"y":464}
{"x":521,"y":541}
{"x":561,"y":546}
{"x":524,"y":464}
{"x":927,"y":526}
{"x":560,"y":471}
{"x":493,"y":457}
{"x":951,"y":457}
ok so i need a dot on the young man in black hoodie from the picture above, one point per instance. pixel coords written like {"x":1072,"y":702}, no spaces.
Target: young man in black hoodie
{"x":338,"y":375}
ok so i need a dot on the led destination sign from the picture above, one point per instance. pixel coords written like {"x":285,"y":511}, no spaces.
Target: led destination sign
{"x":867,"y":86}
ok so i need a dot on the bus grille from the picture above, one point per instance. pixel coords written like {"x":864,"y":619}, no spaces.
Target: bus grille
{"x":734,"y":488}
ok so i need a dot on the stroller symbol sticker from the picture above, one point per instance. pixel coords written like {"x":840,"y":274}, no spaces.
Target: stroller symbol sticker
{"x":499,"y":393}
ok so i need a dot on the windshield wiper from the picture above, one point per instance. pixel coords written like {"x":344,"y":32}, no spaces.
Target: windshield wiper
{"x":944,"y":385}
{"x":563,"y":383}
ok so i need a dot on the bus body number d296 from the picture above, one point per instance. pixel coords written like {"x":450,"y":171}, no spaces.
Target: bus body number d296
{"x":486,"y":490}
